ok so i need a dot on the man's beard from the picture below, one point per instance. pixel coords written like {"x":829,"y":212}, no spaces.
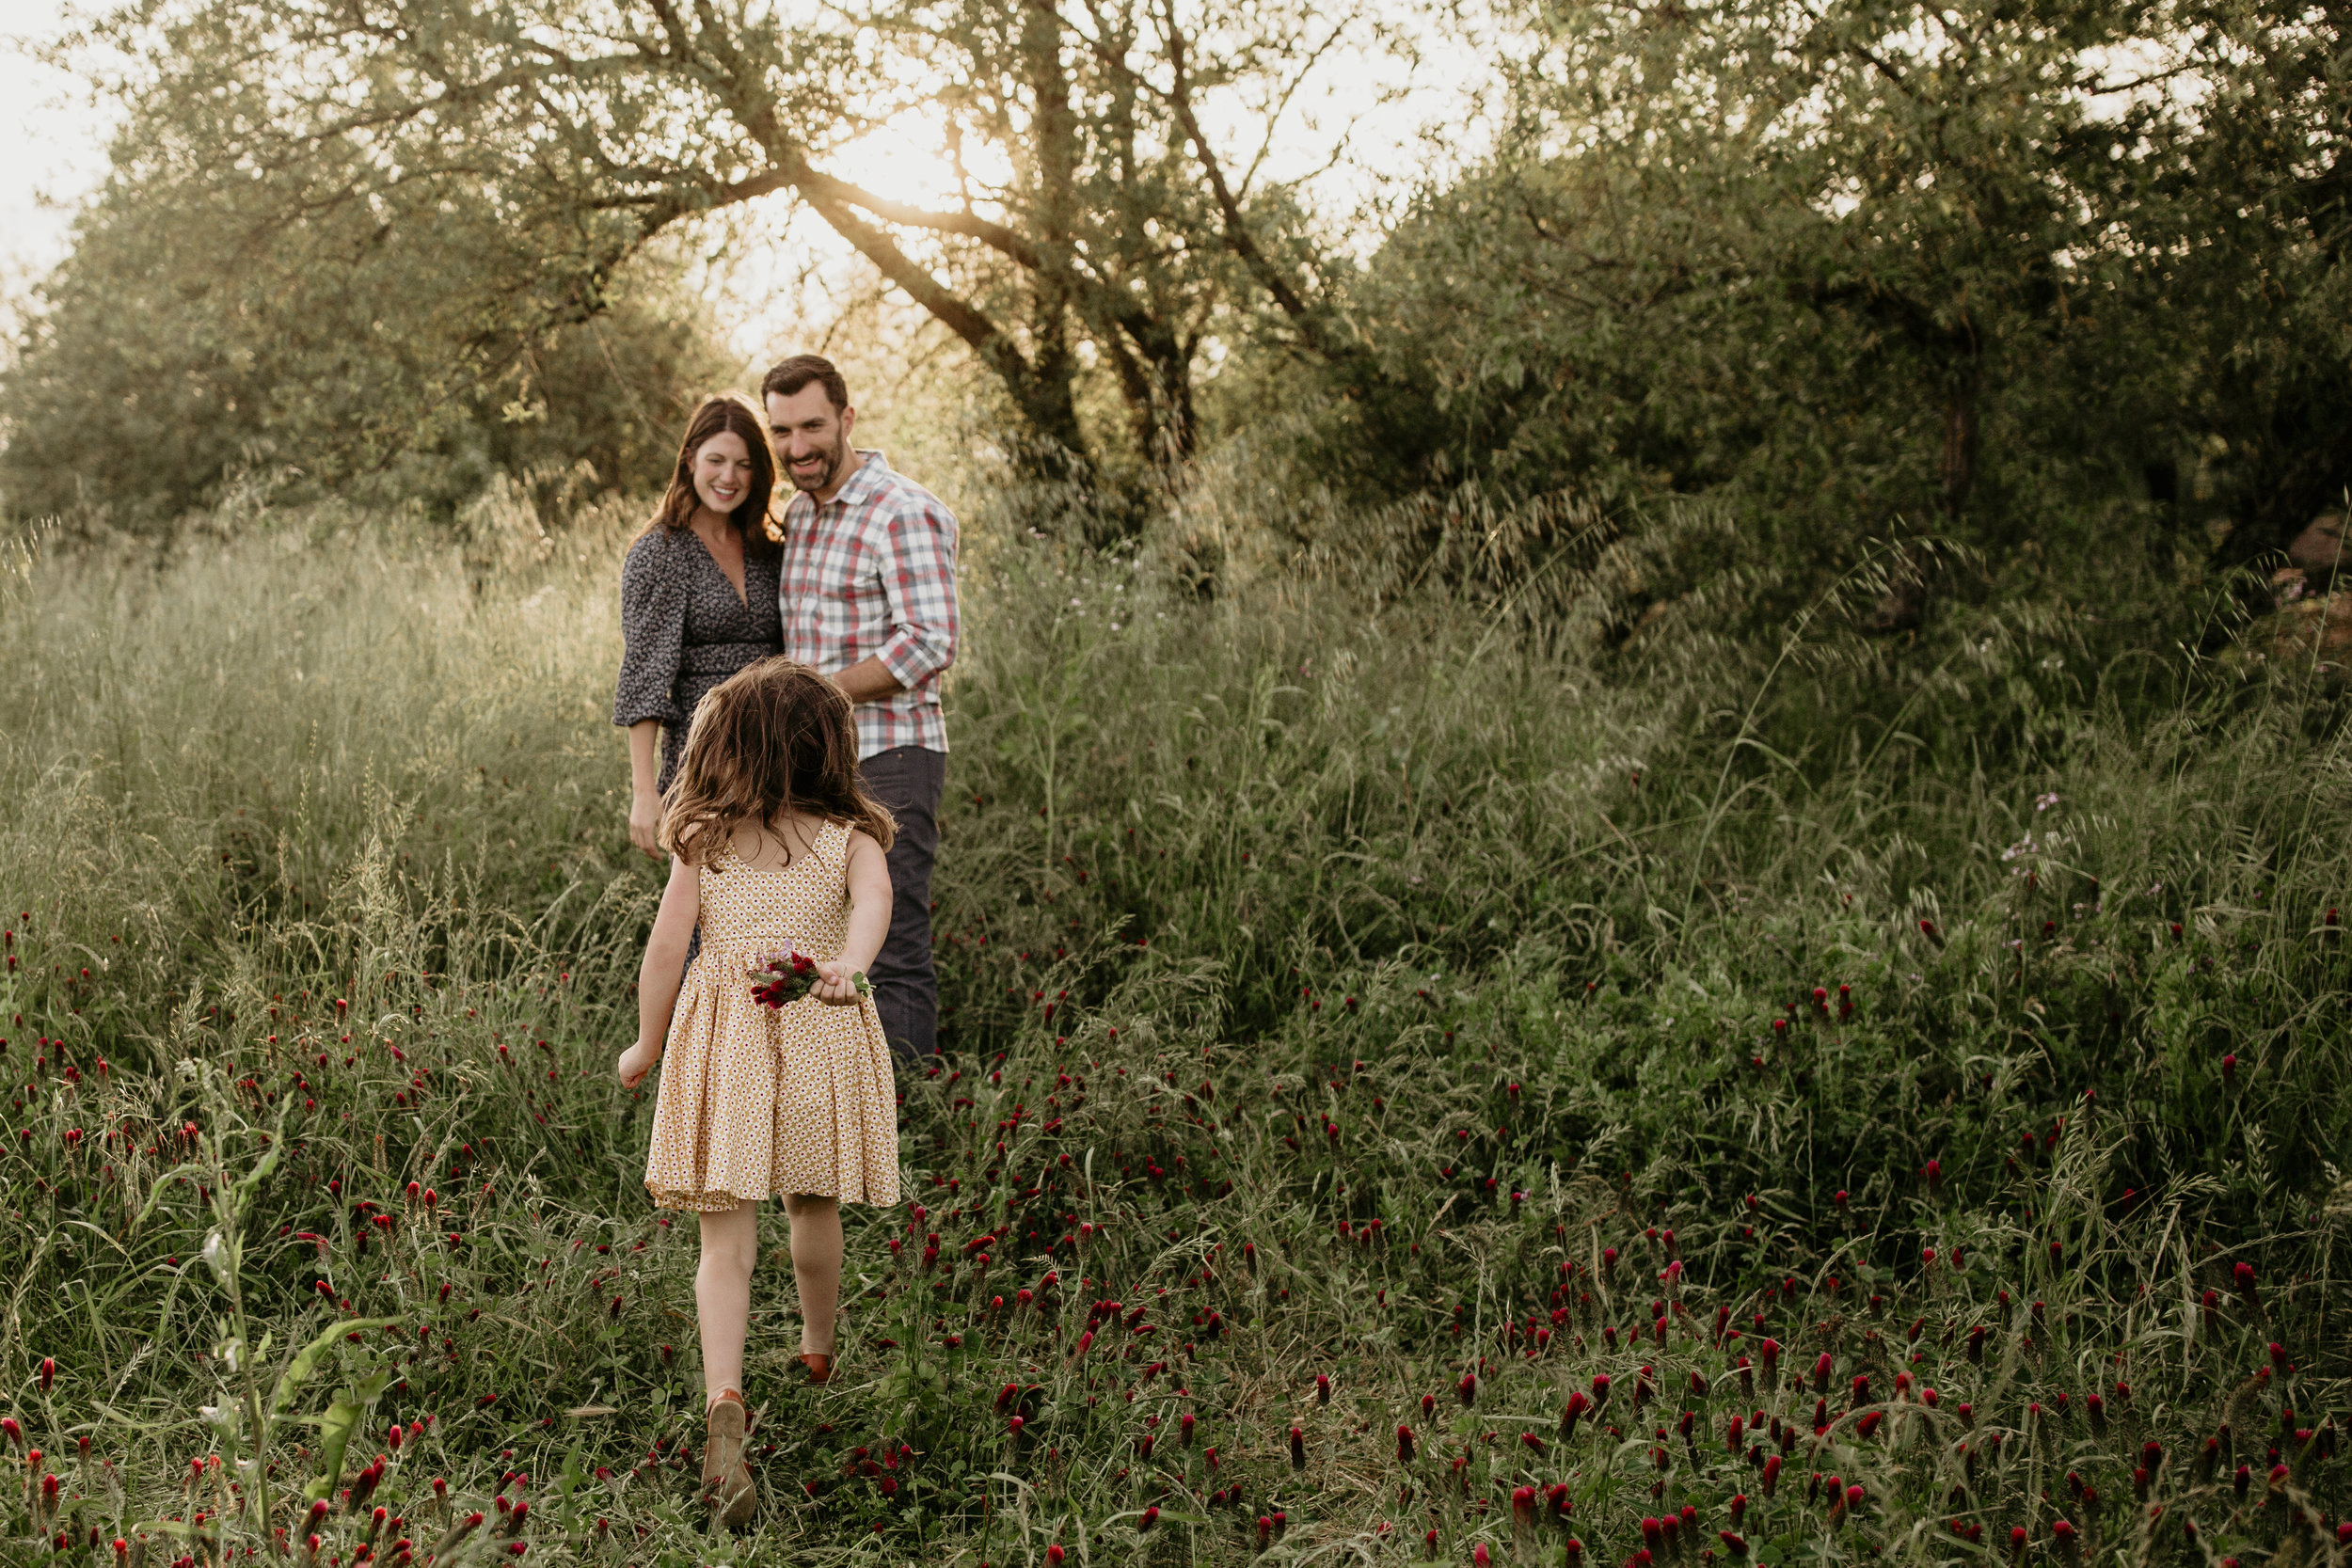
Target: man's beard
{"x":833,"y":457}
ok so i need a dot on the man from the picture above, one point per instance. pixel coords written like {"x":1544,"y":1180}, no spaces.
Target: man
{"x":867,"y":590}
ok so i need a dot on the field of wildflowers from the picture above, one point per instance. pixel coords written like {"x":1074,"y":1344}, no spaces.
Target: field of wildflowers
{"x":1414,"y":1097}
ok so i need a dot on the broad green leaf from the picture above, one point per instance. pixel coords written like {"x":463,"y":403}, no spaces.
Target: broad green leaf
{"x":342,"y":1420}
{"x":307,"y":1359}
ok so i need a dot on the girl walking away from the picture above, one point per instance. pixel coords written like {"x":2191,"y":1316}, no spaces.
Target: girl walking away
{"x":778,"y":853}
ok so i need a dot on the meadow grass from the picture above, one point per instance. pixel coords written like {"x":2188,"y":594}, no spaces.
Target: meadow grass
{"x":1369,"y":1030}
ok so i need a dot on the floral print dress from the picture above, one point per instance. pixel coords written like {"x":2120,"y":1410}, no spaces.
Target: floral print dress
{"x":686,"y":629}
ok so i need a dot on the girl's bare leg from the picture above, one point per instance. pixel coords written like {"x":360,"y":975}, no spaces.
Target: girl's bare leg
{"x":816,"y":1267}
{"x":722,"y":1293}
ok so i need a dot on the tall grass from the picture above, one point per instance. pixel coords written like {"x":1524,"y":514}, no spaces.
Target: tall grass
{"x":1392,"y":997}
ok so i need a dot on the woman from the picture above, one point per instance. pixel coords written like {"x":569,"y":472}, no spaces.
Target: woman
{"x":698,"y":596}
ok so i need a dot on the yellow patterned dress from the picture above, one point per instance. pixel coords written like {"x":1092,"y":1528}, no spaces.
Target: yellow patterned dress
{"x":759,"y":1101}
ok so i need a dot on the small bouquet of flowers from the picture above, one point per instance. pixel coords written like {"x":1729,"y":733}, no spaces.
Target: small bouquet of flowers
{"x":779,"y":979}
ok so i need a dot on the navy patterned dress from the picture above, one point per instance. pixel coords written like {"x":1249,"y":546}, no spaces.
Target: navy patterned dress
{"x":686,"y":630}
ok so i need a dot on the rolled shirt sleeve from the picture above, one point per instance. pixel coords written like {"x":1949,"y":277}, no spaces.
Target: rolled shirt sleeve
{"x":871,"y":575}
{"x":917,"y":567}
{"x":653,"y":632}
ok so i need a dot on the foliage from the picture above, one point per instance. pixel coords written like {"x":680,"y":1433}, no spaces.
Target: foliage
{"x":1870,"y":269}
{"x":2060,"y":285}
{"x":1103,"y":229}
{"x":212,"y":328}
{"x":1384,"y":999}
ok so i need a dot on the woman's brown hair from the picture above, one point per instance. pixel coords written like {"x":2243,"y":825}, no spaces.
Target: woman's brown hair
{"x":772,"y":739}
{"x":729,"y":412}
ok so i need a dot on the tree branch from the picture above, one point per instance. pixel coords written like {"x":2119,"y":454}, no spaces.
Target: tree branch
{"x":997,"y":236}
{"x":959,"y":315}
{"x":664,"y":207}
{"x":1282,"y":103}
{"x":1238,"y":238}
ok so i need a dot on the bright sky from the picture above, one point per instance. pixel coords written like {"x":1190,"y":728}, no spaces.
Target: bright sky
{"x":54,"y":133}
{"x":55,"y":138}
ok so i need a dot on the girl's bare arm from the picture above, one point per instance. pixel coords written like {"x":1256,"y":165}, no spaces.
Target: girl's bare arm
{"x":663,"y":971}
{"x":869,"y":922}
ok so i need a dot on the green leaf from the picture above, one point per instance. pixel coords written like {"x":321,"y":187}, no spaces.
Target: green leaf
{"x":575,"y":1470}
{"x":243,"y":1193}
{"x":342,"y":1420}
{"x":307,"y":1359}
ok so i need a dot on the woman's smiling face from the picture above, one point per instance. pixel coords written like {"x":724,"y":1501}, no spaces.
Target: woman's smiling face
{"x":723,"y":472}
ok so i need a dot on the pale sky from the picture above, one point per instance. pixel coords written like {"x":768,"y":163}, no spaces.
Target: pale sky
{"x":55,"y":146}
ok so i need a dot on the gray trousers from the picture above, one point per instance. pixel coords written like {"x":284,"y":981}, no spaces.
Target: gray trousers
{"x":909,"y":781}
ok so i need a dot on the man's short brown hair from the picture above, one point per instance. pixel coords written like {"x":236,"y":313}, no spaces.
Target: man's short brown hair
{"x":793,"y":374}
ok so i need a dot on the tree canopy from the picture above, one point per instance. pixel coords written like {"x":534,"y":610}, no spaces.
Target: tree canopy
{"x":2038,"y":276}
{"x":2025,"y":274}
{"x":521,"y":156}
{"x":212,"y":322}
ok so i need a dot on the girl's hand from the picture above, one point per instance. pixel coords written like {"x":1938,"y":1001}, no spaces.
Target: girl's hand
{"x":637,"y":1061}
{"x":838,"y":985}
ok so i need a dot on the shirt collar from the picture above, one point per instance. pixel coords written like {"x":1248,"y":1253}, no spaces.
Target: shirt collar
{"x":871,"y":469}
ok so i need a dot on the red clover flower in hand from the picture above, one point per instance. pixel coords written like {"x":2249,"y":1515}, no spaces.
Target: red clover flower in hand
{"x":785,"y":977}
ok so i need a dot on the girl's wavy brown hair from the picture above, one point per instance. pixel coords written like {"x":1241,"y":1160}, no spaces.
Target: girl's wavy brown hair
{"x":774,"y":738}
{"x":727,"y":412}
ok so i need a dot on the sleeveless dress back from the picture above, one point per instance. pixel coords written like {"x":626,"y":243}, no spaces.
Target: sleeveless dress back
{"x":757,"y":1101}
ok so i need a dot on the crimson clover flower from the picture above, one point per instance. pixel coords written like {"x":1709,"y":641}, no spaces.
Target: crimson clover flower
{"x":793,"y":973}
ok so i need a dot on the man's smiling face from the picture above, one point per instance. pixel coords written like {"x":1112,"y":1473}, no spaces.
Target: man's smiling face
{"x":811,"y":437}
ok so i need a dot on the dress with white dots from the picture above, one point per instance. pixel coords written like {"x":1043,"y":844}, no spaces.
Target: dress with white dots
{"x":757,"y":1101}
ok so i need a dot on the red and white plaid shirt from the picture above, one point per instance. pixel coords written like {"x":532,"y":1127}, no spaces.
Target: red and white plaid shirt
{"x":872,"y":574}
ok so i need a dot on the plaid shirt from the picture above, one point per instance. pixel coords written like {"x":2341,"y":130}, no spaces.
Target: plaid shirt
{"x":872,"y":574}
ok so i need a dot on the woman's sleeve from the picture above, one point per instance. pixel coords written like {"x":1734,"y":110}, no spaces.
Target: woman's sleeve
{"x":653,"y":629}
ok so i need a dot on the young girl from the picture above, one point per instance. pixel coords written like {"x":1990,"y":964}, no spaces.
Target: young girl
{"x":774,"y":846}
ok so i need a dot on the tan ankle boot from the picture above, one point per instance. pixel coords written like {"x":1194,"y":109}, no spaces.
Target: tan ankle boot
{"x":726,"y":1478}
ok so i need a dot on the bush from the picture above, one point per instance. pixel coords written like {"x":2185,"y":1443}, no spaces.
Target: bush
{"x":1744,"y":253}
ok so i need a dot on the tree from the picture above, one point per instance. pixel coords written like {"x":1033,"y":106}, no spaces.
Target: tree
{"x":2003,"y":271}
{"x":207,"y":326}
{"x":1099,"y":218}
